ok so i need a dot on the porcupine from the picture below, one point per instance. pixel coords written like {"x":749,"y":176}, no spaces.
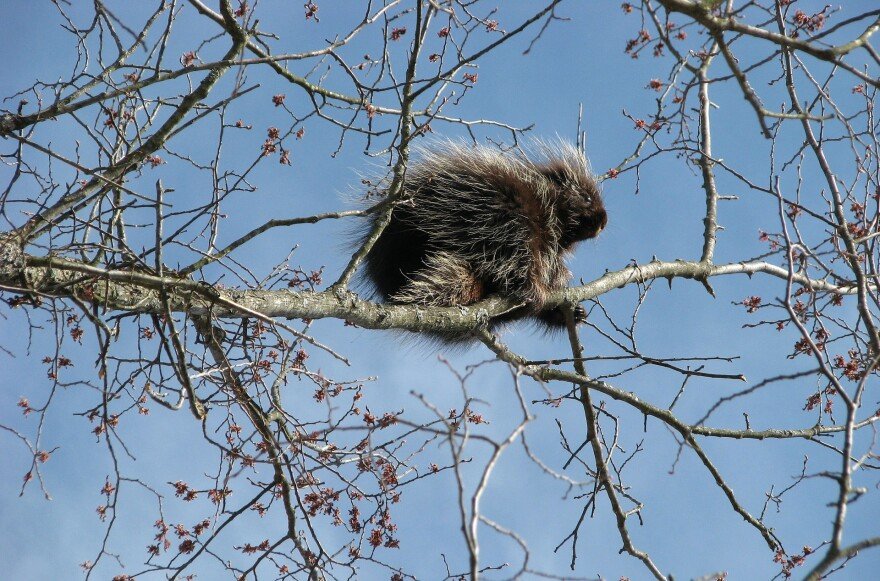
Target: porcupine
{"x":474,"y":221}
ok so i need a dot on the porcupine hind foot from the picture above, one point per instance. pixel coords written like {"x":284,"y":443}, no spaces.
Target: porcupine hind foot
{"x":444,"y":281}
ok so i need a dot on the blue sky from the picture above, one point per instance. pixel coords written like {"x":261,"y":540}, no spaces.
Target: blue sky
{"x":688,"y":528}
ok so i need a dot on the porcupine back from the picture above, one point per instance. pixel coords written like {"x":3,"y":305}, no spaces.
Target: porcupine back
{"x":474,"y":220}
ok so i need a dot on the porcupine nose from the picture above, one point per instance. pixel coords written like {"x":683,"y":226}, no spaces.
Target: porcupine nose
{"x":602,"y":221}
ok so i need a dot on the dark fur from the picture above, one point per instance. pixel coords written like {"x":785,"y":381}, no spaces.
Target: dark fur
{"x":475,"y":221}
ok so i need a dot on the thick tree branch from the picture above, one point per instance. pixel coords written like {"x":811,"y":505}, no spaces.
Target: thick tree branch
{"x":136,"y":291}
